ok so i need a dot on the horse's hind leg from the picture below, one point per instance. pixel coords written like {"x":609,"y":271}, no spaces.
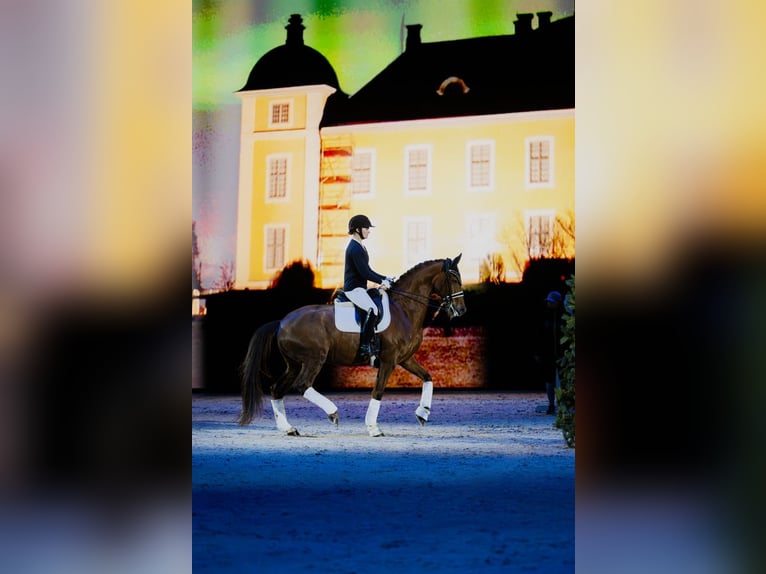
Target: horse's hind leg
{"x":278,"y":406}
{"x":314,"y":396}
{"x":278,"y":390}
{"x":427,"y":392}
{"x":303,"y":382}
{"x":299,"y":377}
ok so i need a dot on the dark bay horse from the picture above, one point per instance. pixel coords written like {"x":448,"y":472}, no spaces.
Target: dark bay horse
{"x":307,"y":338}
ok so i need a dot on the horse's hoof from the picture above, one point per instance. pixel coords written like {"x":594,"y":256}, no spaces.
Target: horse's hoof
{"x":374,"y":430}
{"x":293,"y":432}
{"x":334,"y":418}
{"x":422,"y":414}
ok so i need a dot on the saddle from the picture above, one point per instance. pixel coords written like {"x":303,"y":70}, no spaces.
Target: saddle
{"x":348,"y":317}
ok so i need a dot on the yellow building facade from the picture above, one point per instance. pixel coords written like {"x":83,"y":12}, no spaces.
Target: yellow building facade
{"x":496,"y":187}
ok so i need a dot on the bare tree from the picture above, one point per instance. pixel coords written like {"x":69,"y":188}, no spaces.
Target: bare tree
{"x":226,"y":280}
{"x":562,"y":243}
{"x":559,"y":246}
{"x":492,"y":269}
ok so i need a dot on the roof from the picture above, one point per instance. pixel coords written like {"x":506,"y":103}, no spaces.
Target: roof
{"x":292,"y":64}
{"x":530,"y":70}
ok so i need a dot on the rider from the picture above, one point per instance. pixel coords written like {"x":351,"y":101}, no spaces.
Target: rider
{"x":356,"y":274}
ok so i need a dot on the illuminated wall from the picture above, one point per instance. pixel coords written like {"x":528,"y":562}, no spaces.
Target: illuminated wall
{"x":450,"y":204}
{"x":525,"y":171}
{"x":296,"y":212}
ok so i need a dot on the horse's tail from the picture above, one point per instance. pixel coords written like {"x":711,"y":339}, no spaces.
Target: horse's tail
{"x":254,"y":370}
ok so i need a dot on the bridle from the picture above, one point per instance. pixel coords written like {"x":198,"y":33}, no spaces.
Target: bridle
{"x":445,"y":301}
{"x":450,"y":298}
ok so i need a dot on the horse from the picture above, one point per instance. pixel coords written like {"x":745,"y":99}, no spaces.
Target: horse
{"x":307,"y":338}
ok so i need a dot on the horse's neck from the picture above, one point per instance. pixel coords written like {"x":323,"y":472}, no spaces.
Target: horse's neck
{"x":417,"y":299}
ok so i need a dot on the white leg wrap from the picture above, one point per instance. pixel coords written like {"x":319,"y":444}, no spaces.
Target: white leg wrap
{"x":320,"y":400}
{"x":427,"y":394}
{"x":371,"y":418}
{"x":424,"y":408}
{"x":278,"y":406}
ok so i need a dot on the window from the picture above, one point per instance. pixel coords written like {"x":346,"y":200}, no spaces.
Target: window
{"x":276,"y":247}
{"x":418,"y":169}
{"x":540,"y":234}
{"x":480,"y":230}
{"x":539,"y":162}
{"x":417,"y":240}
{"x":279,"y":114}
{"x":277,"y":177}
{"x":481,"y":159}
{"x":362,"y":172}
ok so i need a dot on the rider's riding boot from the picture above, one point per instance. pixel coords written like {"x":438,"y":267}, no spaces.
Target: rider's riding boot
{"x":365,"y":335}
{"x":374,"y":342}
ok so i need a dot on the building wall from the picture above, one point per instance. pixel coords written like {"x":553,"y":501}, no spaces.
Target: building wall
{"x":450,"y":202}
{"x":287,"y":212}
{"x":296,"y":212}
{"x":448,"y":206}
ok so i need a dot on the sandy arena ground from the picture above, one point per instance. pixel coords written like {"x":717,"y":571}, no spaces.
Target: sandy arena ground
{"x":487,"y":485}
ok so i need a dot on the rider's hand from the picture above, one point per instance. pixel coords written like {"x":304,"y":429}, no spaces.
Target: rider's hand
{"x":386,"y":284}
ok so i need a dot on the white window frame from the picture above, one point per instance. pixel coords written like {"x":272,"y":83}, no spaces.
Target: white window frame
{"x":370,"y":154}
{"x":528,"y":162}
{"x":281,"y":103}
{"x":423,"y":252}
{"x":471,"y":165}
{"x":268,"y":229}
{"x":270,"y":159}
{"x":535,"y":250}
{"x":426,"y":190}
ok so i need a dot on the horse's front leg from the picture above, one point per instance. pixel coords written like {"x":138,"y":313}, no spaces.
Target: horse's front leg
{"x":371,"y":418}
{"x":424,"y":408}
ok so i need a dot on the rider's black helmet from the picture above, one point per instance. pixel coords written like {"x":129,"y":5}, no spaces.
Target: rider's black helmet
{"x":358,"y":221}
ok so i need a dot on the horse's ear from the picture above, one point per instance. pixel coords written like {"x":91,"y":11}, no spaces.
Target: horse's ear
{"x":457,"y":260}
{"x":447,"y":264}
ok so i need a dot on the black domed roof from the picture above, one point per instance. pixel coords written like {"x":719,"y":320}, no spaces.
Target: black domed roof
{"x":292,"y":64}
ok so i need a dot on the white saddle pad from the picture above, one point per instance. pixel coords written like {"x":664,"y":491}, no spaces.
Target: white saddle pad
{"x":345,"y":316}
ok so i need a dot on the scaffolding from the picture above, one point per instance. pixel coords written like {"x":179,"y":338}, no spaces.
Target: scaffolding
{"x":334,"y":207}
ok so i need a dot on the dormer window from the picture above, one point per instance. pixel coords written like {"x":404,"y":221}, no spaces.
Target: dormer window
{"x":454,"y":84}
{"x":280,"y":115}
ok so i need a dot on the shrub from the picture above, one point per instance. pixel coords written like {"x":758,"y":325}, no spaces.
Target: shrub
{"x":565,"y":394}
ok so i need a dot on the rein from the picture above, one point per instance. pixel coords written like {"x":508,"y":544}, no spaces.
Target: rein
{"x":428,"y":302}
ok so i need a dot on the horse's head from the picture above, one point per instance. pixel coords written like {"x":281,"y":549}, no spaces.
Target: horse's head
{"x":450,"y":288}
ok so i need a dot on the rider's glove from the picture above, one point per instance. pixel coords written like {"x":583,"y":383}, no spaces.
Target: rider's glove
{"x":386,"y":283}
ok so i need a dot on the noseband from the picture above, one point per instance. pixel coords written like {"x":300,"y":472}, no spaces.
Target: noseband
{"x":448,"y":301}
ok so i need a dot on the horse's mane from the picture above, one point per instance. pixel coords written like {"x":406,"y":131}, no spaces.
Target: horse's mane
{"x":414,"y":269}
